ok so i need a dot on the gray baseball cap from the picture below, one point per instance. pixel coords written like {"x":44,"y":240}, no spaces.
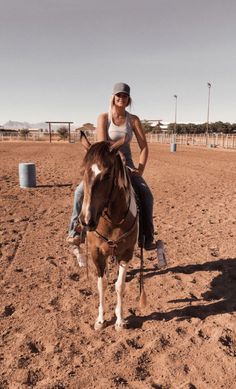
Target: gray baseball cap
{"x":120,"y":87}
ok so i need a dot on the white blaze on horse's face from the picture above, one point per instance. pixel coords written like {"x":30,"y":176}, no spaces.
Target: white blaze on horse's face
{"x":95,"y":169}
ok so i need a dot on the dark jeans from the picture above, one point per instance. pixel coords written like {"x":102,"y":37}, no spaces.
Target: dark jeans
{"x":145,"y":198}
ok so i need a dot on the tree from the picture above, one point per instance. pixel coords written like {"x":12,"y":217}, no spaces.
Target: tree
{"x":146,"y":126}
{"x":63,"y":132}
{"x":24,"y":132}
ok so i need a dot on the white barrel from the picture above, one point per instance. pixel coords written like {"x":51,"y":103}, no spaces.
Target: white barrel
{"x":27,"y":175}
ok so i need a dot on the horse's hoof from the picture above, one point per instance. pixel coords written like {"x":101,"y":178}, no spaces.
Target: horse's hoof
{"x":120,"y":326}
{"x":98,"y":326}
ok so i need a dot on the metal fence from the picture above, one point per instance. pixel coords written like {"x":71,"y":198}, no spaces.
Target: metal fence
{"x":227,"y":141}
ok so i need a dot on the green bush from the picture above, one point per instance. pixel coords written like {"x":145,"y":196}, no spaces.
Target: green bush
{"x":63,"y":132}
{"x":24,"y":132}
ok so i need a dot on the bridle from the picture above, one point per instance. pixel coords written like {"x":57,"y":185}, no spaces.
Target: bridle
{"x":114,"y":243}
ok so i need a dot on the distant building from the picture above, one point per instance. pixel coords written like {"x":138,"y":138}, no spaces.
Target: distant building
{"x":160,"y":126}
{"x":88,"y":128}
{"x":8,"y":131}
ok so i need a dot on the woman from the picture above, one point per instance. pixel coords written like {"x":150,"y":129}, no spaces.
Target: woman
{"x":111,"y":126}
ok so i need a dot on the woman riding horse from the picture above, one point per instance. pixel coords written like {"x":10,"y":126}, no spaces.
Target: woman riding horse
{"x":112,"y":126}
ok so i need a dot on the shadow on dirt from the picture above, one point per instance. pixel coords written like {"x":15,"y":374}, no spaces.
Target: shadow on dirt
{"x":221,"y":294}
{"x":53,"y":186}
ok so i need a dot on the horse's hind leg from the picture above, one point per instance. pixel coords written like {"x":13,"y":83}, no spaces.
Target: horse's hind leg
{"x":99,"y":324}
{"x":120,"y":288}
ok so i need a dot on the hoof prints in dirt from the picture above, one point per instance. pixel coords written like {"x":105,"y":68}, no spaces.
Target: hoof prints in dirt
{"x":119,"y":381}
{"x":23,"y":362}
{"x":9,"y":310}
{"x":4,"y":384}
{"x":33,"y":377}
{"x":229,"y":343}
{"x":85,"y":292}
{"x":35,"y":348}
{"x":142,"y":369}
{"x":58,"y":386}
{"x":74,"y":277}
{"x":134,"y":343}
{"x":157,"y":386}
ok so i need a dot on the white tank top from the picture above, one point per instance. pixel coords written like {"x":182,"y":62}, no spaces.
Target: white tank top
{"x":115,"y":133}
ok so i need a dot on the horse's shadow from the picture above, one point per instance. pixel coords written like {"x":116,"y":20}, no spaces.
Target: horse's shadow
{"x":221,"y":295}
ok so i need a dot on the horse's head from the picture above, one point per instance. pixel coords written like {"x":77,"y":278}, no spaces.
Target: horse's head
{"x":103,"y":170}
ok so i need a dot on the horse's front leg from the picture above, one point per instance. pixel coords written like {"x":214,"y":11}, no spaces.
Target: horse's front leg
{"x":120,"y":289}
{"x":99,"y":324}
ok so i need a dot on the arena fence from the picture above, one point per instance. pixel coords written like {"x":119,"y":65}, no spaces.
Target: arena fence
{"x":227,"y":141}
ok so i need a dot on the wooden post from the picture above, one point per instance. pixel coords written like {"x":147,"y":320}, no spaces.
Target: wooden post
{"x":69,"y":132}
{"x":50,"y":133}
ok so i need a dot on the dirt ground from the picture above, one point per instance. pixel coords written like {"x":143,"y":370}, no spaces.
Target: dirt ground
{"x":184,"y":338}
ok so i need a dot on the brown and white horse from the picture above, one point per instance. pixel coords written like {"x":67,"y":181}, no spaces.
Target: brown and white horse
{"x":109,"y":214}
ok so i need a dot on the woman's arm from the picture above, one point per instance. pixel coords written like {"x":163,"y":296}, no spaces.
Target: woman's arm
{"x":102,"y":127}
{"x":142,"y":142}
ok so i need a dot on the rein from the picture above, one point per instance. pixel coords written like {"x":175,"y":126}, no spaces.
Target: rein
{"x":114,"y":243}
{"x":108,"y":218}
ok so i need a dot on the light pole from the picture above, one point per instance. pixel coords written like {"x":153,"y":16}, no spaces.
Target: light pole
{"x":208,"y":107}
{"x":176,"y":97}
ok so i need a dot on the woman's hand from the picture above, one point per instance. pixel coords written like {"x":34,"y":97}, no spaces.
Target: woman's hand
{"x":136,"y":172}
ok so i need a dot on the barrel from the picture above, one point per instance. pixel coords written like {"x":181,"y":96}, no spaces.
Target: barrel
{"x":173,"y":147}
{"x":27,"y":175}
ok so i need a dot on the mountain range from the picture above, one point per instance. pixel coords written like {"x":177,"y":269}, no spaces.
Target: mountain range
{"x":15,"y":125}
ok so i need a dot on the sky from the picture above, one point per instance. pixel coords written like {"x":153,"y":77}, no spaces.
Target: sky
{"x":59,"y":59}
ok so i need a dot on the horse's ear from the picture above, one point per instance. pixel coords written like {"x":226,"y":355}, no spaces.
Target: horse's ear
{"x":84,"y":140}
{"x":119,"y":143}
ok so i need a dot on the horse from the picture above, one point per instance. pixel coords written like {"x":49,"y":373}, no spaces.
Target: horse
{"x":109,"y":215}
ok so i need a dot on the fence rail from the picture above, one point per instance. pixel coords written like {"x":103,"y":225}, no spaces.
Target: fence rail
{"x":226,"y":141}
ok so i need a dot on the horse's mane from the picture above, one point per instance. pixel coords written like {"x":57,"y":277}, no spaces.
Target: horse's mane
{"x":96,"y":152}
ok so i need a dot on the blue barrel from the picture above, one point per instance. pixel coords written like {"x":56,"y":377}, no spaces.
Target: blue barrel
{"x":173,"y":147}
{"x":27,"y":175}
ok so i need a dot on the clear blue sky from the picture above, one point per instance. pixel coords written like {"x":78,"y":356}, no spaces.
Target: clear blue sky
{"x":60,"y":58}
